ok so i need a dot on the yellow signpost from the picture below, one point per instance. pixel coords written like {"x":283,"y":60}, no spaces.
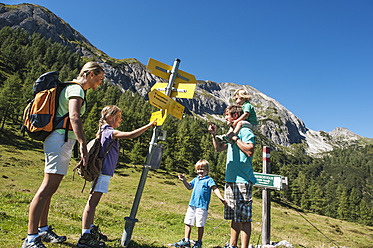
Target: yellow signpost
{"x":181,"y":89}
{"x":162,"y":101}
{"x":180,"y":84}
{"x":161,"y":115}
{"x":184,"y":84}
{"x":164,"y":71}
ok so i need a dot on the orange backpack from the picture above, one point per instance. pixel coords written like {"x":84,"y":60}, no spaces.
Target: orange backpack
{"x":39,"y":118}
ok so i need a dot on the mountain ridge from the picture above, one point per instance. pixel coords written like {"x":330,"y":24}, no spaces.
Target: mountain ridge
{"x":276,"y":123}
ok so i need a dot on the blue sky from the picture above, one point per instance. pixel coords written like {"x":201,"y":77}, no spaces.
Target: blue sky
{"x":313,"y":56}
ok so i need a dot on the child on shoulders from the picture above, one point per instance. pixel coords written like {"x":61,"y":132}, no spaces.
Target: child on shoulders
{"x":247,"y":119}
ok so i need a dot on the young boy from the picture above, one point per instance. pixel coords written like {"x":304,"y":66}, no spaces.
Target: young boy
{"x":247,"y":119}
{"x":199,"y":202}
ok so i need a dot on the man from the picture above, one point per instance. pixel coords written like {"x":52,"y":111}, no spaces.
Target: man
{"x":239,"y":177}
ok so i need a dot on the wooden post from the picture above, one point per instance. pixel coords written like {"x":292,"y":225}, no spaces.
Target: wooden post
{"x":266,"y":198}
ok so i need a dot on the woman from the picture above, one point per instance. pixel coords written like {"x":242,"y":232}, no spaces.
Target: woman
{"x":58,"y":154}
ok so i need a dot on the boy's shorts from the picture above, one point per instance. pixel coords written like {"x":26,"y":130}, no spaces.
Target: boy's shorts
{"x":239,"y":202}
{"x":102,"y":184}
{"x":197,"y":215}
{"x":249,"y":125}
{"x":57,"y":153}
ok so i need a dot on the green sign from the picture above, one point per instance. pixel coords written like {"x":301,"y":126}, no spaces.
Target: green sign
{"x":270,"y":181}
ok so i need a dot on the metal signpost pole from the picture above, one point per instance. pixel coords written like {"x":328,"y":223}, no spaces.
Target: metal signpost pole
{"x":131,"y":220}
{"x":266,"y":198}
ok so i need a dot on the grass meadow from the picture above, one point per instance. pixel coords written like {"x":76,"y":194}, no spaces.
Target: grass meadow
{"x":161,"y":212}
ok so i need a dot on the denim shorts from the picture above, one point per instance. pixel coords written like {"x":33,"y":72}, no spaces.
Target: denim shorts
{"x":57,"y":153}
{"x":239,"y":202}
{"x":196,"y":215}
{"x":102,"y":184}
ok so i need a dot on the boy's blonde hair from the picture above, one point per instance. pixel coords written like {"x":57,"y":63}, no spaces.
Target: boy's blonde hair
{"x":203,"y":164}
{"x":243,"y":94}
{"x":110,"y":110}
{"x":89,"y":67}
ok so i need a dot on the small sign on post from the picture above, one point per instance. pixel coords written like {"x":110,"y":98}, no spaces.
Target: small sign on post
{"x":268,"y":182}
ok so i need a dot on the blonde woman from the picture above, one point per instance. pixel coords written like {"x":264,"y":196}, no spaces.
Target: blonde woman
{"x":58,"y":154}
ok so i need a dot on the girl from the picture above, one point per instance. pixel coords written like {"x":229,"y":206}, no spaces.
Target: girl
{"x":111,"y":117}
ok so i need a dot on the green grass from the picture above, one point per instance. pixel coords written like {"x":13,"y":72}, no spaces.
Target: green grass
{"x":160,"y":214}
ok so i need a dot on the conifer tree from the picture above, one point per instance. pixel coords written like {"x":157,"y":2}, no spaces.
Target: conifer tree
{"x":10,"y":98}
{"x":354,"y":205}
{"x":343,"y":212}
{"x":90,"y":124}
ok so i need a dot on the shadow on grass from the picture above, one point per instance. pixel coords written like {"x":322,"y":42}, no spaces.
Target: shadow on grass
{"x":11,"y":137}
{"x":287,"y":204}
{"x":115,"y":244}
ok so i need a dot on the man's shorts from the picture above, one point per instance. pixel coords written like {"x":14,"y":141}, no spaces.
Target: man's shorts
{"x":102,"y":184}
{"x":239,"y":202}
{"x":57,"y":153}
{"x":197,"y":215}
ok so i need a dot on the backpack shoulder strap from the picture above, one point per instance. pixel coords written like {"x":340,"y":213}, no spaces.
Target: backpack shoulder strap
{"x":59,"y":89}
{"x":108,"y":149}
{"x":78,"y":83}
{"x":110,"y":146}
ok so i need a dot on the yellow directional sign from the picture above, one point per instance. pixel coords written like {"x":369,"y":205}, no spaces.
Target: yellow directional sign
{"x":161,"y":115}
{"x":164,"y":71}
{"x":176,"y":109}
{"x":159,"y":99}
{"x":162,"y":101}
{"x":180,"y":90}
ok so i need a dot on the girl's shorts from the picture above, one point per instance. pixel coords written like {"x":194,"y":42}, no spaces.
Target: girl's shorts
{"x":57,"y":153}
{"x":197,"y":215}
{"x":102,"y":184}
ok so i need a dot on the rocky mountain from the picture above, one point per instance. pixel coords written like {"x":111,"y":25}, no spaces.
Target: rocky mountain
{"x":276,"y":123}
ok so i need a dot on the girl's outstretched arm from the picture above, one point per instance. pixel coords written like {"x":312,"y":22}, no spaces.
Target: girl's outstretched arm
{"x":133,"y":134}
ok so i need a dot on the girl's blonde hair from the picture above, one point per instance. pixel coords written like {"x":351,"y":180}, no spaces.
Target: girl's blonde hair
{"x":203,"y":164}
{"x":110,"y":110}
{"x":89,"y":67}
{"x":243,"y":94}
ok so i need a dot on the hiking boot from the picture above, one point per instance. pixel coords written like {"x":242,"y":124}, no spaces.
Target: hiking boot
{"x":98,"y":234}
{"x":89,"y":241}
{"x":197,"y":244}
{"x":182,"y":243}
{"x":224,"y":139}
{"x":227,"y":245}
{"x":36,"y":244}
{"x":50,"y":236}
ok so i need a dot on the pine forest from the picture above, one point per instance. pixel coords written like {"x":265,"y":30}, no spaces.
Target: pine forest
{"x":338,"y":184}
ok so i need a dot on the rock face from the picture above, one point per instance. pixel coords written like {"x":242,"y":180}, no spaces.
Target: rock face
{"x":36,"y":19}
{"x":275,"y":122}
